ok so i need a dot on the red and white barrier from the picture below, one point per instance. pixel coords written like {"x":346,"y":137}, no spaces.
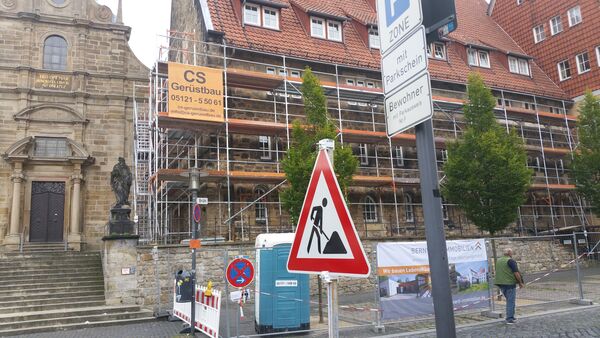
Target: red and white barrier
{"x":208,"y":311}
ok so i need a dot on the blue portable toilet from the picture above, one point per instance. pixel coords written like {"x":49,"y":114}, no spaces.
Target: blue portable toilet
{"x":282,"y":300}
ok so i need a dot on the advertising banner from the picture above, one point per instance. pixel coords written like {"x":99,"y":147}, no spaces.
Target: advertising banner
{"x":405,"y":282}
{"x":195,"y":92}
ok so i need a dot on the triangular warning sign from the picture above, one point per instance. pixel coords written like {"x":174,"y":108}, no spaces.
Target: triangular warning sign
{"x":326,"y":239}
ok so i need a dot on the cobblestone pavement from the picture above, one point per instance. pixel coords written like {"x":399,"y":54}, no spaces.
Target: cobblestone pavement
{"x":575,"y":322}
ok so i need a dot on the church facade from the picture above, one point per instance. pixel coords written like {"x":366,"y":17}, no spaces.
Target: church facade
{"x":66,"y":83}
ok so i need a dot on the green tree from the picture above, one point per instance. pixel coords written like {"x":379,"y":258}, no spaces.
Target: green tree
{"x":486,"y":172}
{"x":586,"y":159}
{"x":301,"y":156}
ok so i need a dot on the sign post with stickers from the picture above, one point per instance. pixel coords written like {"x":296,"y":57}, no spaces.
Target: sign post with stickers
{"x":326,"y":242}
{"x":408,"y":104}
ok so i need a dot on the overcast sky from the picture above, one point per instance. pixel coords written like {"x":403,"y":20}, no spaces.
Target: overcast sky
{"x":147,"y":19}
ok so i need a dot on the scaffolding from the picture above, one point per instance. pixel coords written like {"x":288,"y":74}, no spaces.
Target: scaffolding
{"x":241,"y":156}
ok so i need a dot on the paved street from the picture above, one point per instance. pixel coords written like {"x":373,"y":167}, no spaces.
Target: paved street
{"x":575,"y":322}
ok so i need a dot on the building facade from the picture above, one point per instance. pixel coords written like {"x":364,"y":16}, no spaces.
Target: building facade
{"x":263,"y":47}
{"x":562,"y":36}
{"x":66,"y":116}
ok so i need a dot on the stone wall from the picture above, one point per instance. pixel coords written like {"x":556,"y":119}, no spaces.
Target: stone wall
{"x":532,"y":255}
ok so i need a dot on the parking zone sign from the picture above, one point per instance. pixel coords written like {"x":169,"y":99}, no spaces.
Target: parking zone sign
{"x":397,"y":18}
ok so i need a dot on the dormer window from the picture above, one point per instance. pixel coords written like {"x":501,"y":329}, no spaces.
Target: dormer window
{"x":252,"y":14}
{"x":439,"y":51}
{"x":316,"y":28}
{"x":257,"y":15}
{"x":333,"y":31}
{"x":270,"y":18}
{"x":518,"y":65}
{"x":478,"y":58}
{"x":374,"y":38}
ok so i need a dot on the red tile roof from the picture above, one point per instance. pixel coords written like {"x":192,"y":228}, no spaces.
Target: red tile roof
{"x":474,"y":27}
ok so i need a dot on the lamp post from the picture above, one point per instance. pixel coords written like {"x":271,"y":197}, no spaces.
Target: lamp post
{"x":194,"y":187}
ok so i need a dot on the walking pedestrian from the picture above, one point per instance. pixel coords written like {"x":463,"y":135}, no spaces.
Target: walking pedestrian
{"x":507,"y":278}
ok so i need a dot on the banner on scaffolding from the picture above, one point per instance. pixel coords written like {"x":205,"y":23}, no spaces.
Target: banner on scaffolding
{"x":195,"y":92}
{"x":405,"y":282}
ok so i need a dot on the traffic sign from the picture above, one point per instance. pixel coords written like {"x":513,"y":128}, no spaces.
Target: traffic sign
{"x":326,"y":239}
{"x":409,"y":106}
{"x":197,"y":213}
{"x":240,"y":272}
{"x":202,"y":200}
{"x":397,"y":18}
{"x":404,"y":61}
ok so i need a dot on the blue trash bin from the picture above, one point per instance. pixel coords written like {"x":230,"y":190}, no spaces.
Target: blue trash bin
{"x":282,"y":298}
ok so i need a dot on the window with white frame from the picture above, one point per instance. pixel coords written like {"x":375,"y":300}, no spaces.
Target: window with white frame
{"x":518,"y":65}
{"x":556,"y":25}
{"x":564,"y":70}
{"x":583,"y":62}
{"x":260,"y":207}
{"x":270,"y":18}
{"x":478,"y":58}
{"x":428,"y":51}
{"x":295,"y":73}
{"x":399,"y":156}
{"x":363,"y":154}
{"x":409,"y":210}
{"x":360,"y":83}
{"x":472,"y":56}
{"x":257,"y":15}
{"x":439,"y":50}
{"x":444,"y":155}
{"x":374,"y":41}
{"x":334,"y":30}
{"x":264,"y":145}
{"x":252,"y":14}
{"x":574,"y":16}
{"x":317,"y":27}
{"x":370,"y":85}
{"x":369,"y":210}
{"x":282,"y":72}
{"x":598,"y":55}
{"x":539,"y":34}
{"x":350,"y":82}
{"x":271,"y":70}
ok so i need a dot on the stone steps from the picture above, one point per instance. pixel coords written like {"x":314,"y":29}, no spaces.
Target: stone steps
{"x":69,"y":293}
{"x":49,"y":279}
{"x":65,"y":304}
{"x":83,"y":315}
{"x":52,"y":300}
{"x":37,"y":274}
{"x":74,"y":326}
{"x":56,"y":290}
{"x":51,"y":290}
{"x":59,"y":284}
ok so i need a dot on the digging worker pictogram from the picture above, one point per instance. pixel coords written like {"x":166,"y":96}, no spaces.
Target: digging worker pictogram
{"x":316,"y":215}
{"x":334,"y":244}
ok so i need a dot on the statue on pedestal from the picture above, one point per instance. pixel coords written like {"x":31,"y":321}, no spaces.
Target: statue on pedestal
{"x":120,"y":181}
{"x":120,"y":225}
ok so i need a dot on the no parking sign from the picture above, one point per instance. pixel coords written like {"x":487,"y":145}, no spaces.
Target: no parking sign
{"x":240,"y":272}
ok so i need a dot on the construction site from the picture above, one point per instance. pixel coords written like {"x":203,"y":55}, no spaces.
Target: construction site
{"x":239,"y":159}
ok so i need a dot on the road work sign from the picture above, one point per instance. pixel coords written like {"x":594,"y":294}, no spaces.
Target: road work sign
{"x":326,"y":239}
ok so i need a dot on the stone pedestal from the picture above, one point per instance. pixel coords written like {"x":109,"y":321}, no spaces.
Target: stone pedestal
{"x":119,"y":263}
{"x":120,"y":223}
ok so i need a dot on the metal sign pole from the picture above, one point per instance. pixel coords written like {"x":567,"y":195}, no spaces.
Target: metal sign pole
{"x":434,"y":232}
{"x":332,"y":286}
{"x":194,"y":187}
